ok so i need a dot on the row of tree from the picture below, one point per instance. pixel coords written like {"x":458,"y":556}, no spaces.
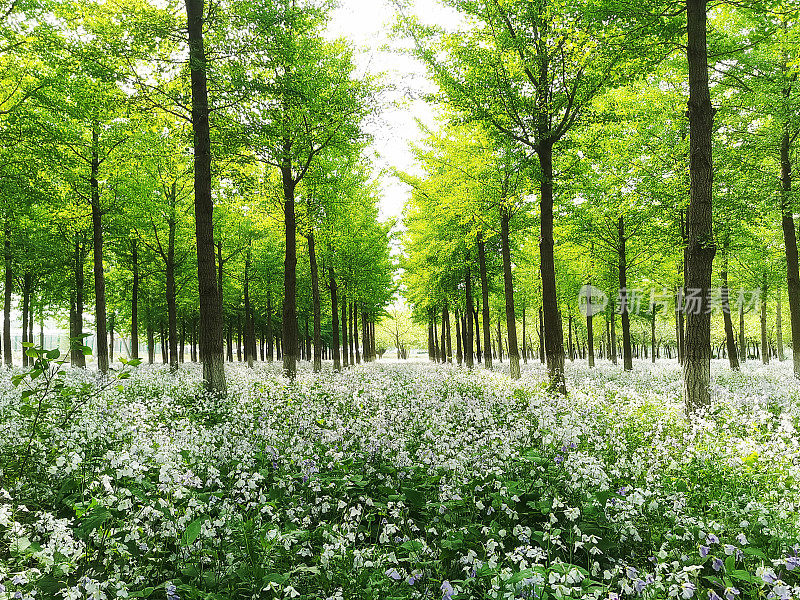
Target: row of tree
{"x":196,"y":172}
{"x":573,"y":116}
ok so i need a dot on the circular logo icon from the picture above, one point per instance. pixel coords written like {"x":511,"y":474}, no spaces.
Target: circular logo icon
{"x":592,"y":300}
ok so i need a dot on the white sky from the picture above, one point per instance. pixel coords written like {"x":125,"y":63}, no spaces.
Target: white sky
{"x":367,"y":24}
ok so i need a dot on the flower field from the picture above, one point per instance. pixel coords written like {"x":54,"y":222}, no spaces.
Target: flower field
{"x":394,"y":481}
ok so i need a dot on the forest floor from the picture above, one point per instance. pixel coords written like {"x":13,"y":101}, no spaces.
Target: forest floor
{"x":401,"y":481}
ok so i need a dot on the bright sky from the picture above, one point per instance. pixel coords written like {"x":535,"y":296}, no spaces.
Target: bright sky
{"x":367,"y":24}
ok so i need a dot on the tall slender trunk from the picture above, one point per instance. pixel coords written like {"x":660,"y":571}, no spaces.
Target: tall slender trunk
{"x":790,"y":245}
{"x":477,"y":334}
{"x":613,"y":333}
{"x":525,"y":335}
{"x":290,"y":331}
{"x":9,"y":288}
{"x":553,"y":331}
{"x":111,"y":324}
{"x":77,"y":357}
{"x":315,"y":300}
{"x":354,"y":312}
{"x":627,"y":356}
{"x":487,"y":332}
{"x":337,"y":363}
{"x":764,"y":341}
{"x":699,"y":220}
{"x":590,"y":339}
{"x":459,"y":355}
{"x":26,"y":280}
{"x":730,"y":340}
{"x":468,"y":343}
{"x":99,"y":275}
{"x":571,"y":346}
{"x":779,"y":325}
{"x":446,"y":321}
{"x":431,"y":352}
{"x":350,"y":328}
{"x":135,"y":301}
{"x":172,"y":290}
{"x":151,"y":339}
{"x":499,"y":342}
{"x":542,"y":357}
{"x":742,"y":334}
{"x":345,"y":352}
{"x":270,"y":335}
{"x":653,"y":336}
{"x":249,"y":330}
{"x":508,"y":288}
{"x":211,"y":348}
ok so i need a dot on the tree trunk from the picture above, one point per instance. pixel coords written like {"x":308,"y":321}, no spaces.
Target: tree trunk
{"x":9,"y":288}
{"x":508,"y":288}
{"x":730,"y":340}
{"x":135,"y":302}
{"x":249,"y":330}
{"x":110,"y":338}
{"x":742,"y":335}
{"x":350,"y":328}
{"x":627,"y":356}
{"x":764,"y":343}
{"x":337,"y":362}
{"x":78,"y":358}
{"x":315,"y":300}
{"x":172,"y":290}
{"x":468,"y":344}
{"x":525,"y":335}
{"x":571,"y":347}
{"x":542,"y":357}
{"x":477,"y":334}
{"x":487,"y":333}
{"x":211,"y":349}
{"x":613,"y":334}
{"x":499,"y":342}
{"x":653,"y":336}
{"x":270,"y":335}
{"x":99,"y":275}
{"x":345,"y":352}
{"x":26,"y":282}
{"x":290,"y":331}
{"x":553,"y":332}
{"x":790,"y":244}
{"x":431,"y":351}
{"x":779,"y":325}
{"x":701,"y":246}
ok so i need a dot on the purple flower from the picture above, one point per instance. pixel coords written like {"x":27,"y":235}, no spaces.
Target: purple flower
{"x":447,"y":590}
{"x":731,"y":593}
{"x":393,"y":574}
{"x":712,"y":595}
{"x":639,"y":585}
{"x":717,"y":564}
{"x":729,"y":549}
{"x":704,"y":550}
{"x":411,"y":580}
{"x":792,"y":563}
{"x":622,"y":491}
{"x":712,"y":539}
{"x":559,"y":459}
{"x":631,"y":572}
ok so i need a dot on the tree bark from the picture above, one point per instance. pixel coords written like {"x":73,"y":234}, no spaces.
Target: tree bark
{"x":101,"y":344}
{"x":508,"y":288}
{"x":211,"y":348}
{"x":77,"y":357}
{"x":627,"y":356}
{"x":487,"y":333}
{"x":790,"y":245}
{"x":730,"y":340}
{"x":468,"y":343}
{"x":345,"y":351}
{"x":553,"y":331}
{"x":699,"y":220}
{"x":135,"y":301}
{"x":764,"y":343}
{"x":779,"y":325}
{"x":172,"y":290}
{"x":26,"y":281}
{"x":337,"y":362}
{"x":742,"y":334}
{"x":249,"y":329}
{"x":315,"y":300}
{"x":290,"y":331}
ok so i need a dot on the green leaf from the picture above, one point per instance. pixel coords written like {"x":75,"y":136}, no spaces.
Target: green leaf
{"x":145,"y":593}
{"x":193,"y":530}
{"x":53,"y":354}
{"x":741,"y":575}
{"x":86,"y":350}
